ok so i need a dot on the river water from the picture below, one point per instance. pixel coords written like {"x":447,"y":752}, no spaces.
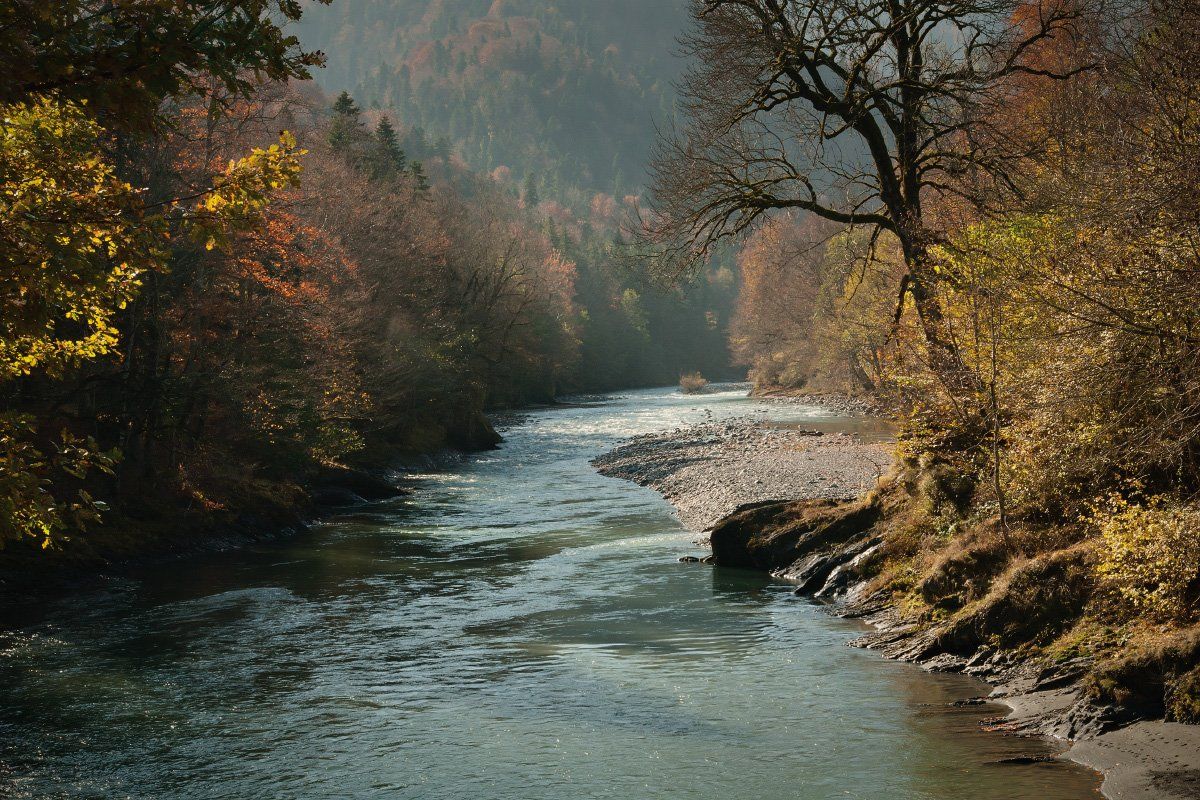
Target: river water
{"x":519,"y":627}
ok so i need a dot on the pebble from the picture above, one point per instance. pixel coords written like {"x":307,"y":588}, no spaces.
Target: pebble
{"x":709,"y":469}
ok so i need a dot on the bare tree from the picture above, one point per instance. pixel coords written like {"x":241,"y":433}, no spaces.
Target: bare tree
{"x":853,"y":110}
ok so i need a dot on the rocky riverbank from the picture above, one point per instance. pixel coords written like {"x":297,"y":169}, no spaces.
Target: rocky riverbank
{"x":806,"y":507}
{"x":709,"y":470}
{"x":831,"y":401}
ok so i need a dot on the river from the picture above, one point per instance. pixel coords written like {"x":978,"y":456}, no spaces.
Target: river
{"x":517,"y":628}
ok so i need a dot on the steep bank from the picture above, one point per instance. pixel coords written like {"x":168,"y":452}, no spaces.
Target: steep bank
{"x":843,"y":550}
{"x":837,"y":551}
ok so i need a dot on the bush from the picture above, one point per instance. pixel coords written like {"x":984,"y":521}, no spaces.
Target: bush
{"x":692,"y":383}
{"x":1153,"y":674}
{"x":1183,"y":698}
{"x":1151,"y":554}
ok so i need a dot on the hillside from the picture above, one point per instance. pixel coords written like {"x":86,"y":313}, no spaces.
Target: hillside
{"x":567,"y":91}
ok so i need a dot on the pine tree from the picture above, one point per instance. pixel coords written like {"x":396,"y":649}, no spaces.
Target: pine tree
{"x":418,"y":173}
{"x":530,"y":194}
{"x":389,"y":158}
{"x":347,"y":125}
{"x":345,"y":106}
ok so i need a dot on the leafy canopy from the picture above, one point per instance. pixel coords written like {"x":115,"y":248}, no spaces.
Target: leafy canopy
{"x":124,"y":58}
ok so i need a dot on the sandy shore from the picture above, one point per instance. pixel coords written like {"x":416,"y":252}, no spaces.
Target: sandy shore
{"x":708,"y":470}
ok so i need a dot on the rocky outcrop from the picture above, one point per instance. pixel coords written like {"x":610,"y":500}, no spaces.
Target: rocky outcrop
{"x":337,"y":487}
{"x":803,"y":540}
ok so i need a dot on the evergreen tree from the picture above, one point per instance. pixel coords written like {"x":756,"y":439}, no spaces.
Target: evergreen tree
{"x":530,"y":194}
{"x":347,"y":126}
{"x":345,"y":106}
{"x":418,"y":173}
{"x":389,"y":157}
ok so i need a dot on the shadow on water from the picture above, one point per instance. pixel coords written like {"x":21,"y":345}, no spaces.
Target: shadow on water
{"x":729,"y":583}
{"x":868,"y":429}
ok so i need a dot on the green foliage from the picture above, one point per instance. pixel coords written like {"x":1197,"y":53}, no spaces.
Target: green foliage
{"x":530,"y":193}
{"x":1183,"y":698}
{"x":417,"y":170}
{"x":389,"y":157}
{"x":631,"y":305}
{"x":346,"y":129}
{"x":123,"y":59}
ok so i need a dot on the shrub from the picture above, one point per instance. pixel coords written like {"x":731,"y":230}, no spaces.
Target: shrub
{"x":1151,"y":553}
{"x":692,"y":382}
{"x":1183,"y":698}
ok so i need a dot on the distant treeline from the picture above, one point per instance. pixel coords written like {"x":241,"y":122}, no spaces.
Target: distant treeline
{"x":566,"y":92}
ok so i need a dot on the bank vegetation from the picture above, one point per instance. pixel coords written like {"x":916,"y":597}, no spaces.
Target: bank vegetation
{"x":983,"y":214}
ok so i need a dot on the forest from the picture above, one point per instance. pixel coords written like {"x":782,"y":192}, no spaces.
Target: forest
{"x":222,"y":284}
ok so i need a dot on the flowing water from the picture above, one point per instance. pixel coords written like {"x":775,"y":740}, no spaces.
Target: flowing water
{"x":519,"y":627}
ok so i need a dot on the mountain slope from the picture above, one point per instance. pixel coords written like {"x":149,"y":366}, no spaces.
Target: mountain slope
{"x":568,"y":91}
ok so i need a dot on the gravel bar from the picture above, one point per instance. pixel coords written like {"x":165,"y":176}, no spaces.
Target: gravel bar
{"x":708,"y":470}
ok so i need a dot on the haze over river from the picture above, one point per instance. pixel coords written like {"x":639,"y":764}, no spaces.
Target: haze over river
{"x":518,"y":628}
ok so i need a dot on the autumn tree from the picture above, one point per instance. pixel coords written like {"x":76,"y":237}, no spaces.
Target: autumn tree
{"x":123,"y":58}
{"x":1108,"y":253}
{"x":813,"y":306}
{"x":79,"y":237}
{"x":77,"y":245}
{"x":853,"y":110}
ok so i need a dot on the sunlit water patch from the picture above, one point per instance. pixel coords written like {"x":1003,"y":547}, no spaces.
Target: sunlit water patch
{"x":519,"y":628}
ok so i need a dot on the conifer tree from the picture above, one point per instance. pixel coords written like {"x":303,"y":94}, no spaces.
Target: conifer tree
{"x":530,"y":194}
{"x":347,"y":125}
{"x":389,"y":157}
{"x":418,"y":173}
{"x":345,"y":105}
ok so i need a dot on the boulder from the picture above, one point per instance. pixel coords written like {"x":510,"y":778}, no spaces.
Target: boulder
{"x":786,"y":536}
